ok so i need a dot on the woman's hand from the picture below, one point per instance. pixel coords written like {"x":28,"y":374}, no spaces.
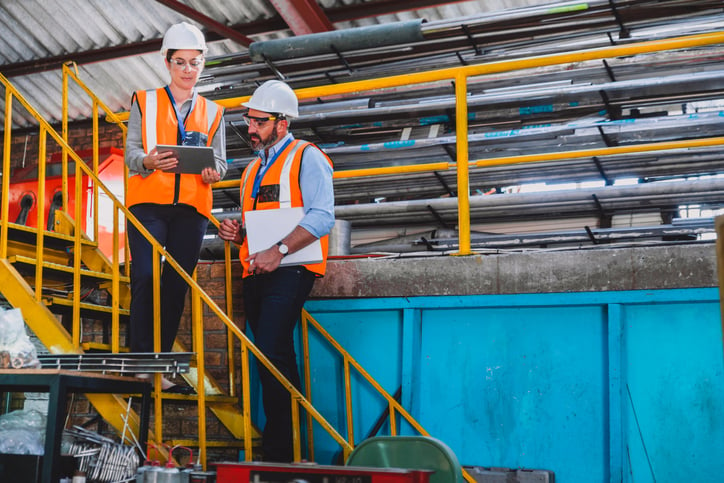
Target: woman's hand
{"x":210,"y":176}
{"x":163,"y":161}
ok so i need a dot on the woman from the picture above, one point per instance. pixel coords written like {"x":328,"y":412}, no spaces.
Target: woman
{"x":173,"y":207}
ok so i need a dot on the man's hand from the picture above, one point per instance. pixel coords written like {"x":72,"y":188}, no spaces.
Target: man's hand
{"x":265,"y":261}
{"x":230,"y":230}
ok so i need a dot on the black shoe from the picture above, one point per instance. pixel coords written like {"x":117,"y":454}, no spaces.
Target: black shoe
{"x":178,"y":389}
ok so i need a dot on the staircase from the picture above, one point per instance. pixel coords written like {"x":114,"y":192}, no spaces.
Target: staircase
{"x":62,"y":280}
{"x":57,"y":305}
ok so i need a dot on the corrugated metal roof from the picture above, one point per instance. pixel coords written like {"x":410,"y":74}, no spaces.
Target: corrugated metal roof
{"x":34,"y":30}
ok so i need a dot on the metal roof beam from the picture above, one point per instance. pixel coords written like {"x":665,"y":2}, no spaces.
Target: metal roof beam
{"x":382,"y":7}
{"x":207,"y":22}
{"x":303,"y":16}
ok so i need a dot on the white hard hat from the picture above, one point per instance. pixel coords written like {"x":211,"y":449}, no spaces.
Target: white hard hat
{"x":183,"y":36}
{"x":274,"y":96}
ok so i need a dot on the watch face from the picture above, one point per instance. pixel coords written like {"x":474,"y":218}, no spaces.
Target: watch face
{"x":283,"y":249}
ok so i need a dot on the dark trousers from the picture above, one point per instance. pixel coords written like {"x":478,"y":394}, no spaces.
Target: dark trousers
{"x":180,"y":229}
{"x":272,"y":304}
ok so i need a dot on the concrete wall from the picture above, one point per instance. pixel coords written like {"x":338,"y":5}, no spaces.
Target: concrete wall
{"x":583,"y":270}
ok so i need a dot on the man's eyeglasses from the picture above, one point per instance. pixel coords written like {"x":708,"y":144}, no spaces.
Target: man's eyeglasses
{"x":257,"y":121}
{"x":193,"y":64}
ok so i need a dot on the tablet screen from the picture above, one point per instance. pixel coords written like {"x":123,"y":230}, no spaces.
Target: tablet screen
{"x":191,"y":159}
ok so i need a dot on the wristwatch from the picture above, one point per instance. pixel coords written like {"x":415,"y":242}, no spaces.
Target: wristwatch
{"x":283,"y":249}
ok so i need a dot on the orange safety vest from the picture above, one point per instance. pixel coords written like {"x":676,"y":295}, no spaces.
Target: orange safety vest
{"x":159,"y":125}
{"x":281,"y":179}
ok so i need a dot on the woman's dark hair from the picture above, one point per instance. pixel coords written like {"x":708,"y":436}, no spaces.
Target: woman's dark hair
{"x":169,"y":54}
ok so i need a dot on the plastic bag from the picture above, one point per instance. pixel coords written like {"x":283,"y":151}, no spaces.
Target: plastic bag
{"x":16,"y":349}
{"x":22,"y":432}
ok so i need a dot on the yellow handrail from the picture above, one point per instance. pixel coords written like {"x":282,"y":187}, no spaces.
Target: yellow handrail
{"x":197,"y":293}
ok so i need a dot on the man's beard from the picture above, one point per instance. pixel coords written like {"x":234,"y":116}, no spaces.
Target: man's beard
{"x":258,"y":145}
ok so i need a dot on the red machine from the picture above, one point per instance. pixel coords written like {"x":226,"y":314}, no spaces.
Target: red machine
{"x":313,"y":473}
{"x":23,"y":195}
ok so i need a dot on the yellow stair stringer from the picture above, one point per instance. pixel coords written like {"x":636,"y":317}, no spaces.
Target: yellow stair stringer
{"x":58,"y":341}
{"x":229,"y":415}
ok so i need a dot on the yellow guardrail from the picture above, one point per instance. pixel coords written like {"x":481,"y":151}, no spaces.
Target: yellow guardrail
{"x":201,"y":301}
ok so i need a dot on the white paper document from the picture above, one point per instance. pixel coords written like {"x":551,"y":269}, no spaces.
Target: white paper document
{"x":265,"y":228}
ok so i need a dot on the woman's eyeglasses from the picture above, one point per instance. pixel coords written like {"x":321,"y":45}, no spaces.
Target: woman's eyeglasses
{"x":193,"y":64}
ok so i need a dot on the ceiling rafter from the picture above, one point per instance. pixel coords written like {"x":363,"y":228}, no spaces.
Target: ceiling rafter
{"x":207,"y":22}
{"x":303,"y":16}
{"x":382,"y":7}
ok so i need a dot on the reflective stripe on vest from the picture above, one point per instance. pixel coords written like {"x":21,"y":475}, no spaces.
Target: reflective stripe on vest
{"x":159,"y":125}
{"x":284,"y":173}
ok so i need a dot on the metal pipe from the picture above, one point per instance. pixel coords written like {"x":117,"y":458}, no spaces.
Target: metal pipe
{"x":361,"y":110}
{"x":506,"y":16}
{"x":446,"y":74}
{"x":612,"y":198}
{"x":579,"y":237}
{"x":359,"y":38}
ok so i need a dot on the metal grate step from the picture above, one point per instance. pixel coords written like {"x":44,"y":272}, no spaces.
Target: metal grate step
{"x":128,"y":363}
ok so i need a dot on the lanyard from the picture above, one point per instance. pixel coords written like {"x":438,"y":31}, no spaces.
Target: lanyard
{"x":181,"y":124}
{"x":263,"y":169}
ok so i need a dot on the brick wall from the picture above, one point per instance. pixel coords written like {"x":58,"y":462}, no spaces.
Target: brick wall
{"x":24,"y":145}
{"x":210,"y":276}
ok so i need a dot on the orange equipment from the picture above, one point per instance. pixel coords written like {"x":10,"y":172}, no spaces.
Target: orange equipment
{"x":23,"y":196}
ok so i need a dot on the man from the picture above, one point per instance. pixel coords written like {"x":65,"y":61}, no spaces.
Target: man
{"x":287,"y":173}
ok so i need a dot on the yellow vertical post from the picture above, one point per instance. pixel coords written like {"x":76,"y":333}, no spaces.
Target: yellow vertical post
{"x":461,"y":130}
{"x":158,"y":403}
{"x":307,"y":383}
{"x":393,"y":421}
{"x":230,"y":313}
{"x":77,"y":249}
{"x":95,"y":190}
{"x":197,"y":323}
{"x":5,"y":208}
{"x":64,"y":133}
{"x":126,"y":248}
{"x":296,"y":425}
{"x":40,"y":220}
{"x":246,"y":400}
{"x":115,"y":287}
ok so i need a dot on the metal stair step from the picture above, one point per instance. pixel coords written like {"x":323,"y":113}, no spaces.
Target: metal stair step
{"x":121,"y":364}
{"x":101,"y":347}
{"x":190,"y":443}
{"x":52,"y":240}
{"x":87,"y":309}
{"x":66,"y":270}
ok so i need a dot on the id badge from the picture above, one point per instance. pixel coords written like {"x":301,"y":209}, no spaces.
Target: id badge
{"x":195,"y":138}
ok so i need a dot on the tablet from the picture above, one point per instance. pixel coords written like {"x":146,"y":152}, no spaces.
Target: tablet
{"x":191,"y":159}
